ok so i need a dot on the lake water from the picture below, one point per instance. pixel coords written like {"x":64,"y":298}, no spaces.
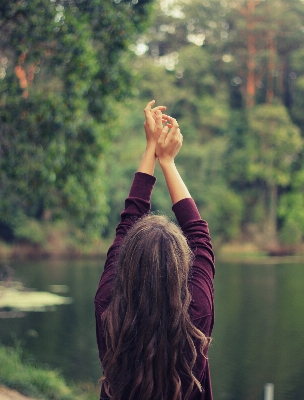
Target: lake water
{"x":258,"y":336}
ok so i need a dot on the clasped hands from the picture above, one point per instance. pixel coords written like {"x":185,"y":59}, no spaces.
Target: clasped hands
{"x":162,"y":133}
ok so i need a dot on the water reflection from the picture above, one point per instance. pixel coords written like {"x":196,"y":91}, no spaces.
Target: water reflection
{"x":259,"y":331}
{"x":258,"y":336}
{"x":65,"y":338}
{"x":14,"y":297}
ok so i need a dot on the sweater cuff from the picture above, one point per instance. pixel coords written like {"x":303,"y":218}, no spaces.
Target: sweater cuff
{"x":142,"y":186}
{"x":185,"y":210}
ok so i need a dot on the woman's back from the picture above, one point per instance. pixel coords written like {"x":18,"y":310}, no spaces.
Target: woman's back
{"x":154,"y":304}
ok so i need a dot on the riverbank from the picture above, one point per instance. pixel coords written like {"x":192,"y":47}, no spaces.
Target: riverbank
{"x":59,"y":242}
{"x":46,"y":239}
{"x":250,"y":252}
{"x":58,"y":245}
{"x":20,"y":380}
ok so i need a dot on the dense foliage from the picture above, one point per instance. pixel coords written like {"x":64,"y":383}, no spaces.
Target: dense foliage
{"x":61,"y":72}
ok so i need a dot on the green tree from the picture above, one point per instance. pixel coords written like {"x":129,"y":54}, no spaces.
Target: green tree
{"x":274,"y":145}
{"x":61,"y":74}
{"x":291,"y":211}
{"x":259,"y":39}
{"x":296,"y":79}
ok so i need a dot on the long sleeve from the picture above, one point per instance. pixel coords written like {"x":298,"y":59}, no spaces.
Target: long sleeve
{"x":200,"y":284}
{"x":136,"y":205}
{"x":202,"y":272}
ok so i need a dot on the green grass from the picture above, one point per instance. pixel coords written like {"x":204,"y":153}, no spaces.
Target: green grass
{"x":38,"y":382}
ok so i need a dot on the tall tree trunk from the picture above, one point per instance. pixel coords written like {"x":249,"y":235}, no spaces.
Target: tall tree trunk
{"x":285,"y":82}
{"x":251,"y":47}
{"x":271,"y":222}
{"x":271,"y":67}
{"x":251,"y":84}
{"x":21,"y":75}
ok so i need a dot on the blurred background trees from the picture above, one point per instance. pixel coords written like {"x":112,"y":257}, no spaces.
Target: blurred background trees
{"x":61,"y":76}
{"x":231,"y":72}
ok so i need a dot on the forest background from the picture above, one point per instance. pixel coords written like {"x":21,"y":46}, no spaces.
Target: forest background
{"x":74,"y":78}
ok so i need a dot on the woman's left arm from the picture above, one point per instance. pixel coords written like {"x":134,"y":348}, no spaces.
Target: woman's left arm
{"x":137,"y":203}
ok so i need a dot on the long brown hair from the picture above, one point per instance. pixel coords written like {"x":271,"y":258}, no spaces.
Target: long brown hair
{"x":148,"y":331}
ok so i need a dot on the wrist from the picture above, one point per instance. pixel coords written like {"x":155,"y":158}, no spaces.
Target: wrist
{"x":150,"y":148}
{"x":151,"y":143}
{"x":166,"y":162}
{"x":147,"y":163}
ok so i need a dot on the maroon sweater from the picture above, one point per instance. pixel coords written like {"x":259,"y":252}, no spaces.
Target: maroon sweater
{"x":200,"y":279}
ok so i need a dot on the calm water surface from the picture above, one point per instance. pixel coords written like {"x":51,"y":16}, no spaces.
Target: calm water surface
{"x":258,"y":335}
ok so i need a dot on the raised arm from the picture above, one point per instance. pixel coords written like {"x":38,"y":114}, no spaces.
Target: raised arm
{"x":168,"y":145}
{"x":137,"y":203}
